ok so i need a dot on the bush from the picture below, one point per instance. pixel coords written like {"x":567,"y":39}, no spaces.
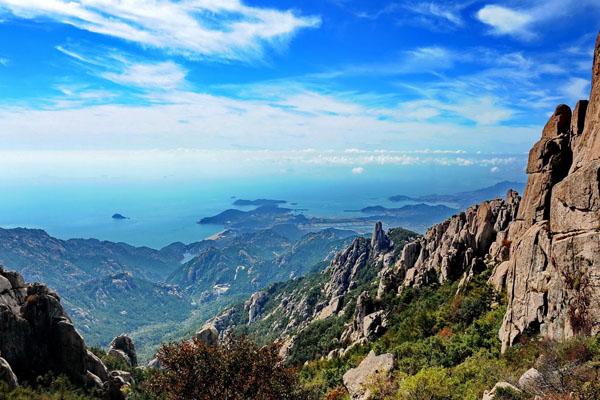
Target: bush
{"x":236,"y":369}
{"x":48,"y":387}
{"x":427,"y":384}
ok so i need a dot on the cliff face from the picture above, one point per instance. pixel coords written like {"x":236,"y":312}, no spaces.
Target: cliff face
{"x":553,"y":270}
{"x":36,"y":335}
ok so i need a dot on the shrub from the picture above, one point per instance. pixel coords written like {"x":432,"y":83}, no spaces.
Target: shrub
{"x":236,"y":369}
{"x":427,"y":384}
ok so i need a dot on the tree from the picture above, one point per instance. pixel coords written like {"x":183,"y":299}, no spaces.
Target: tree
{"x":235,"y":369}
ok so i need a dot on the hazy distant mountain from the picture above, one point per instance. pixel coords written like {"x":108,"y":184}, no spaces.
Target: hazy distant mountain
{"x":66,"y":263}
{"x":465,"y":199}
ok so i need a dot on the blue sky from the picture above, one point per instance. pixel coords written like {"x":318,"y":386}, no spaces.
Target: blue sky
{"x":107,"y":86}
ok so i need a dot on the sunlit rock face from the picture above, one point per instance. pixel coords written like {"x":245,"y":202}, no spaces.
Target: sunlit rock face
{"x":553,"y":269}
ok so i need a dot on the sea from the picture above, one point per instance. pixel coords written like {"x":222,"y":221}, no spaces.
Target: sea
{"x":164,"y":211}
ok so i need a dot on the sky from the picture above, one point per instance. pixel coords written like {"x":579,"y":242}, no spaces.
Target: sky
{"x":144,"y":88}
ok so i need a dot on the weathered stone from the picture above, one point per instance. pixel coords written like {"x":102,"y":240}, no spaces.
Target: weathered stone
{"x":588,"y":148}
{"x":120,"y":356}
{"x":455,"y":247}
{"x":374,"y":325}
{"x":527,"y":291}
{"x":93,"y":381}
{"x":498,"y":277}
{"x":554,"y":261}
{"x":254,"y":305}
{"x":116,"y":385}
{"x":575,"y":202}
{"x":355,"y":330}
{"x":37,"y":336}
{"x":208,"y":334}
{"x":380,"y":242}
{"x":122,"y":347}
{"x":345,"y":267}
{"x":333,"y":307}
{"x":577,"y":125}
{"x":7,"y":375}
{"x":96,"y":366}
{"x":358,"y":380}
{"x":533,"y":382}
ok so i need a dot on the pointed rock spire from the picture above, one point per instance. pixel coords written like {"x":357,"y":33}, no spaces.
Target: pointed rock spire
{"x":379,"y":240}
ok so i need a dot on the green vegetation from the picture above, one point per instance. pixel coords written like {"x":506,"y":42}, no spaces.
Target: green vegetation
{"x":48,"y":387}
{"x":446,"y":348}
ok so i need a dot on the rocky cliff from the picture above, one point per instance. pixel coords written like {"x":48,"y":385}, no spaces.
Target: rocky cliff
{"x":553,"y":268}
{"x":37,"y":336}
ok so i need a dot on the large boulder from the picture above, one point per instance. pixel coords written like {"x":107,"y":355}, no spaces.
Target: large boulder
{"x":123,"y":348}
{"x":208,"y":334}
{"x":358,"y":380}
{"x":533,"y":382}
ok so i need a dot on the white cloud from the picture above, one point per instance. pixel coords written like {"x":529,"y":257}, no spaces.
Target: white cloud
{"x":165,"y":75}
{"x":121,"y":69}
{"x":446,"y":12}
{"x":531,"y":14}
{"x":3,"y":61}
{"x":576,"y":89}
{"x":183,"y":163}
{"x":222,"y":29}
{"x":431,"y":14}
{"x":506,"y":21}
{"x":187,"y":119}
{"x":494,"y":170}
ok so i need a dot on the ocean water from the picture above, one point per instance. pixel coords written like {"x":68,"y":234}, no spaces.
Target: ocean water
{"x":165,"y":211}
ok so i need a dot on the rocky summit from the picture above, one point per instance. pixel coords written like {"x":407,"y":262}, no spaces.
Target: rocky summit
{"x":553,"y":267}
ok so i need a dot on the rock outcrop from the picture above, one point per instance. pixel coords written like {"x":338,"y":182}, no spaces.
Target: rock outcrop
{"x":37,"y":336}
{"x":500,"y":386}
{"x":254,"y":305}
{"x":122,"y":348}
{"x":373,"y":368}
{"x":208,"y":334}
{"x":553,"y":268}
{"x":7,"y":375}
{"x":454,"y":248}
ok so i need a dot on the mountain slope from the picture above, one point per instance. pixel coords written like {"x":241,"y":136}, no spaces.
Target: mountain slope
{"x":66,"y":263}
{"x":106,"y":307}
{"x":254,"y":260}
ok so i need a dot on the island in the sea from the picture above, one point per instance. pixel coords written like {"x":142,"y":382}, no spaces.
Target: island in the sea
{"x":258,"y":202}
{"x":464,"y":199}
{"x":119,"y":216}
